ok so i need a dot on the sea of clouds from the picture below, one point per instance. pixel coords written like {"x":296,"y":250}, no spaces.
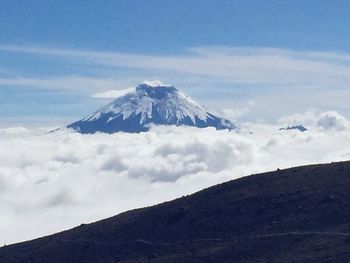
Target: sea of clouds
{"x":54,"y":181}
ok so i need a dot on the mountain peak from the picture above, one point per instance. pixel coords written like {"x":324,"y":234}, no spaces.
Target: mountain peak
{"x":294,"y":127}
{"x":156,"y":90}
{"x":150,"y":103}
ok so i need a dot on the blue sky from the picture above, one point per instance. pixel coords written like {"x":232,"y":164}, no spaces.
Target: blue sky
{"x":290,"y":55}
{"x":169,"y":26}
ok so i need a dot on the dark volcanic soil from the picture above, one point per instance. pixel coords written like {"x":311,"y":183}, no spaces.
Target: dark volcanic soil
{"x":296,"y":215}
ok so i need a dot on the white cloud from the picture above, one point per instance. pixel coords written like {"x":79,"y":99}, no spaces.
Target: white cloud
{"x":235,"y":114}
{"x":333,"y":120}
{"x":113,"y":93}
{"x":14,"y":130}
{"x":154,"y":83}
{"x":254,"y":66}
{"x":68,"y":83}
{"x":50,"y":182}
{"x":329,"y":120}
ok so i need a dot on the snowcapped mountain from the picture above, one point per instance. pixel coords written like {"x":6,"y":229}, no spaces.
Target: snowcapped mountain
{"x":149,"y":103}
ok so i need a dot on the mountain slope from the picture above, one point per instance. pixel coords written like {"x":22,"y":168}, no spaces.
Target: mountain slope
{"x":149,"y":104}
{"x":294,"y":215}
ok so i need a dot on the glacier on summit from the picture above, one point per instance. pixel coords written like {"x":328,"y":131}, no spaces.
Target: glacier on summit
{"x":150,"y":103}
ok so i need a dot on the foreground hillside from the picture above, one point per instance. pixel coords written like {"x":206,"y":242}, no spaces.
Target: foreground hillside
{"x":295,"y":215}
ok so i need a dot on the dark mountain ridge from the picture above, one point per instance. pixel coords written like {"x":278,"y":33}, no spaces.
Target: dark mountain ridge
{"x":295,"y":215}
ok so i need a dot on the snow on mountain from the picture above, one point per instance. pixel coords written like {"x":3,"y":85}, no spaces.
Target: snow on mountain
{"x":150,"y":103}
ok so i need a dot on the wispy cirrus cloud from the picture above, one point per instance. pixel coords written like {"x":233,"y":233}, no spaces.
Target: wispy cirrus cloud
{"x":279,"y":81}
{"x":255,"y":66}
{"x":70,"y":83}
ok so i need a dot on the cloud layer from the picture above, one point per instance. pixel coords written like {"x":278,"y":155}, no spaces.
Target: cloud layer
{"x":50,"y":182}
{"x":249,"y":66}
